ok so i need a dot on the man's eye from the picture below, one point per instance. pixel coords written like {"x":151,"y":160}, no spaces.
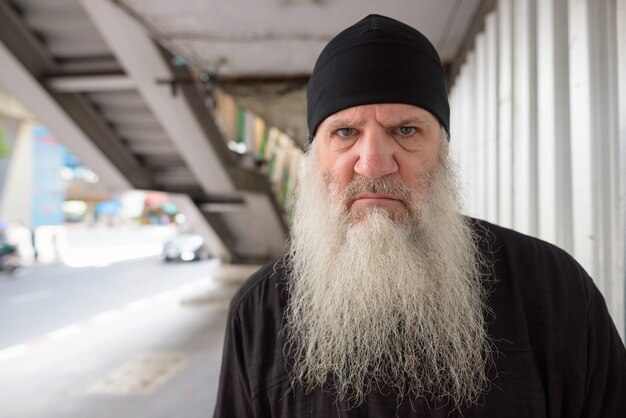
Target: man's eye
{"x":345,"y":132}
{"x":407,"y":130}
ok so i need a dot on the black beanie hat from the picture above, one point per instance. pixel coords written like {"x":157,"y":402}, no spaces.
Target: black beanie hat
{"x":377,"y":60}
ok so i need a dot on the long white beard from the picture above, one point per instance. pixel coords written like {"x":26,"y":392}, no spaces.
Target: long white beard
{"x":380,"y":299}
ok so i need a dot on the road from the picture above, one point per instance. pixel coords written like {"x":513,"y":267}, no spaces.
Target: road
{"x":40,"y":299}
{"x":137,"y":338}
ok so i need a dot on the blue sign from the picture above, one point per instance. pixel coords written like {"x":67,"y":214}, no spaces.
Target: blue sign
{"x":48,"y":185}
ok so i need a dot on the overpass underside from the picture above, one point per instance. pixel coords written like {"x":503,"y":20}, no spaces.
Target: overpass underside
{"x":115,"y":98}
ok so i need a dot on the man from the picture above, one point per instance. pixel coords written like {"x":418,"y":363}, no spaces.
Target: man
{"x":389,"y":302}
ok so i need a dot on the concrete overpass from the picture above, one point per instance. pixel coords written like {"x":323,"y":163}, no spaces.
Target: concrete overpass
{"x":95,"y":78}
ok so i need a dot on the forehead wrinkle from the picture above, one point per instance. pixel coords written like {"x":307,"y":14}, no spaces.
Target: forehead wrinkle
{"x":400,"y":113}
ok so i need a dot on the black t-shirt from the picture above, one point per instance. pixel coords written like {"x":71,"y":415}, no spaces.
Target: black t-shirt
{"x":559,"y":354}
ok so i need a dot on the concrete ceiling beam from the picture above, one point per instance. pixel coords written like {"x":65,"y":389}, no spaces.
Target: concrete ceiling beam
{"x":90,"y":83}
{"x":20,"y":83}
{"x":142,"y":61}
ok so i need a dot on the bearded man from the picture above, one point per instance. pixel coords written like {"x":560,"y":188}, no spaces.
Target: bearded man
{"x":390,"y":303}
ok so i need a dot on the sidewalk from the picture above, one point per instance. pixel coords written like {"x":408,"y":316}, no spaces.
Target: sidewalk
{"x":156,"y":360}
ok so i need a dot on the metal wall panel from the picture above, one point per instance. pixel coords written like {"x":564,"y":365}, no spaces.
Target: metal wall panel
{"x":505,"y":112}
{"x":524,"y":118}
{"x":554,"y":163}
{"x":541,"y":105}
{"x":491,"y":118}
{"x":619,"y":311}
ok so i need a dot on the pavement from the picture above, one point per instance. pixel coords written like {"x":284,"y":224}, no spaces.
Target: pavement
{"x":154,"y":357}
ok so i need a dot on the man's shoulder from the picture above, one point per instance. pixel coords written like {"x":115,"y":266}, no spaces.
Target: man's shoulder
{"x":265,"y":284}
{"x":497,"y":239}
{"x":519,"y":256}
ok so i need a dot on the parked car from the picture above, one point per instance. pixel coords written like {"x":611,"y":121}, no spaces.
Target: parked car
{"x":185,"y":247}
{"x":9,"y":258}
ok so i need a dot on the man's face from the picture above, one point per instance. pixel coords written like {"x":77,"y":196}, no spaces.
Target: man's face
{"x":385,"y":283}
{"x":397,"y":142}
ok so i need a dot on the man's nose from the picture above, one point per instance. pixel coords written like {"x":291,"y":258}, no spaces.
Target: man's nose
{"x":375,"y":156}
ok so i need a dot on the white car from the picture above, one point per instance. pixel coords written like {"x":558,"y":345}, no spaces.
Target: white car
{"x":185,"y":247}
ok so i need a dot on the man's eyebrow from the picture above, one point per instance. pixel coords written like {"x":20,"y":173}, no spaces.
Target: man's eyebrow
{"x":355,"y":123}
{"x":343,"y":123}
{"x":413,"y":120}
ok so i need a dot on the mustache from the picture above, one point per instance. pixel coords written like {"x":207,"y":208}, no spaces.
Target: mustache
{"x":384,"y":185}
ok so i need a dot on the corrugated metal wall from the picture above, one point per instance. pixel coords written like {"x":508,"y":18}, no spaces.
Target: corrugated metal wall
{"x":539,"y":129}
